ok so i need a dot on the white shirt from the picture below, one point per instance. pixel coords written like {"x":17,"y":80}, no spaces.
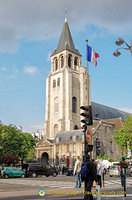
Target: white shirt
{"x":99,"y":169}
{"x":77,"y":167}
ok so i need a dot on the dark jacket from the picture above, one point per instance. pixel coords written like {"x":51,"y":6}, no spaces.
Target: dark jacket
{"x":93,"y":171}
{"x":123,"y":165}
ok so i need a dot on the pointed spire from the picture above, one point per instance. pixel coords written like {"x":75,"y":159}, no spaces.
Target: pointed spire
{"x":66,"y":42}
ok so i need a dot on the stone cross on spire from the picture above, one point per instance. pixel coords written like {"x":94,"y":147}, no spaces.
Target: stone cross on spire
{"x":65,"y":15}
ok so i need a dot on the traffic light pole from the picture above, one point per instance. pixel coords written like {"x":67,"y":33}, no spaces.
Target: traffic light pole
{"x":85,"y":141}
{"x":87,"y":73}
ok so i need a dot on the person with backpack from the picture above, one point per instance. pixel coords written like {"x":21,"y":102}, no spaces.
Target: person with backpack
{"x":76,"y":172}
{"x":88,"y":175}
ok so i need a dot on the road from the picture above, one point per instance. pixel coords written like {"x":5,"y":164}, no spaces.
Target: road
{"x":60,"y":187}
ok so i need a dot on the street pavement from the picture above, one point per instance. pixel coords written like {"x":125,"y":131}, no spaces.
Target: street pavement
{"x":59,"y":188}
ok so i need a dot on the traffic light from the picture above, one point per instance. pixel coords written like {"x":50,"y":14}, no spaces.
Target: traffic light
{"x":88,"y":121}
{"x":89,"y":147}
{"x":97,"y":146}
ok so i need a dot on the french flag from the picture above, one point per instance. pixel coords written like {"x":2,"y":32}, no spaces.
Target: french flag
{"x":91,"y":55}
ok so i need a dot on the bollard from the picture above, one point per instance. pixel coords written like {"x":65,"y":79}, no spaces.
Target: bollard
{"x":98,"y":192}
{"x":103,"y":178}
{"x":124,"y":181}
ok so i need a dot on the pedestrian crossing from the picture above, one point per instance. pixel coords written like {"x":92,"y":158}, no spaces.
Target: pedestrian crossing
{"x":63,"y":184}
{"x":117,"y":183}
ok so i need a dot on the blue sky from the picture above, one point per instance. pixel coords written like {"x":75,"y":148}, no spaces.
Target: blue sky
{"x":29,"y":33}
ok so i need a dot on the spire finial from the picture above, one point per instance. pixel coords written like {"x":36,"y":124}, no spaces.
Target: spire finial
{"x":65,"y":15}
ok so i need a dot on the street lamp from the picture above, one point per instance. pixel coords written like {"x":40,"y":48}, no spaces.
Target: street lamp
{"x":120,"y":42}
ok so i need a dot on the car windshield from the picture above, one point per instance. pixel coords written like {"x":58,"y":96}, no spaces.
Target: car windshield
{"x":114,"y":167}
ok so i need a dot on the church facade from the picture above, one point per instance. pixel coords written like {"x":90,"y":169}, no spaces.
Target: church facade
{"x":68,"y":88}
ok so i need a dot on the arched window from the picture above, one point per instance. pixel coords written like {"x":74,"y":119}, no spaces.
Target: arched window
{"x":76,"y":61}
{"x":56,"y":64}
{"x":75,"y":127}
{"x":74,"y":104}
{"x":58,"y":82}
{"x":69,"y":61}
{"x":56,"y":105}
{"x":54,"y":83}
{"x":62,"y":61}
{"x":55,"y":129}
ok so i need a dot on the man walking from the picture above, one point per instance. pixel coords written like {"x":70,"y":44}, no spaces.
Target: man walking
{"x":123,"y":165}
{"x":77,"y":170}
{"x":91,"y":176}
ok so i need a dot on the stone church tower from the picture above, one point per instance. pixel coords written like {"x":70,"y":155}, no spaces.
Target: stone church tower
{"x":66,"y":87}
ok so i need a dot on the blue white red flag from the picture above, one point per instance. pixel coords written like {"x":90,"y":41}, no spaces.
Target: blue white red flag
{"x":91,"y":55}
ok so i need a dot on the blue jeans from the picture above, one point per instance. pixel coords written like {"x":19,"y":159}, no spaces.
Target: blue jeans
{"x":123,"y":176}
{"x":78,"y":179}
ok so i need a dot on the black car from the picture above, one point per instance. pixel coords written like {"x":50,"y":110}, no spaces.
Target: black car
{"x":35,"y":169}
{"x":69,"y":172}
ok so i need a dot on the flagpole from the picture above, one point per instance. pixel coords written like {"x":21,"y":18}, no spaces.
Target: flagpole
{"x":87,"y":71}
{"x":88,"y":81}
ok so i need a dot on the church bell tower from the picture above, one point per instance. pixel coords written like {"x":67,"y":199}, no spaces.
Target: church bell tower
{"x":66,"y":87}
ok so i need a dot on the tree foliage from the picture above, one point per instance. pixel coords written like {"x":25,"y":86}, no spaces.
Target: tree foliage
{"x":31,"y":155}
{"x":123,"y":136}
{"x":15,"y":142}
{"x":10,"y":159}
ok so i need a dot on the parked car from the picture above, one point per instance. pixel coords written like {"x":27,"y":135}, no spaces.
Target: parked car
{"x":115,"y":171}
{"x":35,"y":169}
{"x":12,"y":172}
{"x":69,"y":172}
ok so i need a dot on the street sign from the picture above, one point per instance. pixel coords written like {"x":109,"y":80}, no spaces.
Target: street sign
{"x":129,"y":153}
{"x":88,"y":136}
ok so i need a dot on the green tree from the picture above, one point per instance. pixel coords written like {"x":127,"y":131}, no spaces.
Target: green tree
{"x":31,"y":155}
{"x":123,"y":136}
{"x":14,"y":142}
{"x":104,"y":157}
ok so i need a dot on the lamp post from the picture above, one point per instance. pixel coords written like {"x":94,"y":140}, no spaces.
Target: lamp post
{"x":120,"y":42}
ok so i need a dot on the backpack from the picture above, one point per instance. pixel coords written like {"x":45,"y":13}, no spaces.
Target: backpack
{"x":84,"y":171}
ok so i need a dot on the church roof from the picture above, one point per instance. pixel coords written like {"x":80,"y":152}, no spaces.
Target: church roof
{"x":66,"y":42}
{"x":67,"y":136}
{"x":100,"y":111}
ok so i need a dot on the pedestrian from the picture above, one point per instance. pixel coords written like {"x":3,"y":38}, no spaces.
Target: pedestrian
{"x":123,"y":166}
{"x":76,"y":172}
{"x":59,"y":170}
{"x":99,"y":173}
{"x":63,"y":170}
{"x":94,"y":182}
{"x":91,"y":176}
{"x":0,"y":170}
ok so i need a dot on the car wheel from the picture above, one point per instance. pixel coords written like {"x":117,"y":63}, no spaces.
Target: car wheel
{"x":110,"y":175}
{"x":47,"y":175}
{"x":34,"y":175}
{"x":23,"y":175}
{"x":54,"y":174}
{"x":6,"y":176}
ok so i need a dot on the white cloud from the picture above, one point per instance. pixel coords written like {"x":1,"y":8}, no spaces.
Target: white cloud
{"x":41,"y":20}
{"x":12,"y":76}
{"x":129,"y":110}
{"x":48,"y":57}
{"x":33,"y":128}
{"x":3,"y":69}
{"x":30,"y":70}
